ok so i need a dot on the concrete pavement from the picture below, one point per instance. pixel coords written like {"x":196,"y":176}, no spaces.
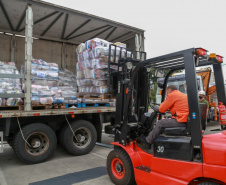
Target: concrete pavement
{"x":63,"y":168}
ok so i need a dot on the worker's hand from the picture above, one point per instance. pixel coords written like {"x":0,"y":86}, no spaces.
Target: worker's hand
{"x":155,"y":108}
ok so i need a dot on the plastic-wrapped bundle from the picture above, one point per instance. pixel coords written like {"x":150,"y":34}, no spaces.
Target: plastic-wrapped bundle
{"x":79,"y":66}
{"x":99,"y":42}
{"x":58,"y":100}
{"x":67,"y":86}
{"x":80,"y":48}
{"x":14,"y":101}
{"x":46,"y":100}
{"x":100,"y":73}
{"x":84,"y":89}
{"x":84,"y":82}
{"x":88,"y":45}
{"x":35,"y":100}
{"x":99,"y":82}
{"x":52,"y":75}
{"x":89,"y":73}
{"x":52,"y":83}
{"x":102,"y":89}
{"x":120,"y":44}
{"x":9,"y":85}
{"x":39,"y":61}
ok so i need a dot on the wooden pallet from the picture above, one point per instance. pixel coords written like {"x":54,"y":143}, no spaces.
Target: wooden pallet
{"x":60,"y":106}
{"x":40,"y":107}
{"x":16,"y":107}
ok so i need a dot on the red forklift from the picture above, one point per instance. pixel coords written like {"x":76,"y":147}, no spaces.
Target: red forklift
{"x":180,"y":155}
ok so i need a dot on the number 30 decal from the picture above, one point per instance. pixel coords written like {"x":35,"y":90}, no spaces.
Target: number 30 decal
{"x":160,"y":149}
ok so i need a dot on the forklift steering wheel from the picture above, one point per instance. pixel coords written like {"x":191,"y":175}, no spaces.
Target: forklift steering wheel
{"x":155,"y":108}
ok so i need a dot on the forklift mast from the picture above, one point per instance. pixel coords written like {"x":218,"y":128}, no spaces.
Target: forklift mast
{"x":133,"y":89}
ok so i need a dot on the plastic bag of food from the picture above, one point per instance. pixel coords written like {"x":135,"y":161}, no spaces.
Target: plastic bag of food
{"x":85,"y":55}
{"x":86,"y":64}
{"x":120,"y":44}
{"x":52,"y":83}
{"x":99,"y":82}
{"x":96,"y":42}
{"x":84,"y":82}
{"x":81,"y":47}
{"x":46,"y":100}
{"x":102,"y":89}
{"x":35,"y":100}
{"x":79,"y":66}
{"x":88,"y":73}
{"x":52,"y":75}
{"x":39,"y":74}
{"x":39,"y":82}
{"x":14,"y":101}
{"x":88,"y":45}
{"x":100,"y":73}
{"x":58,"y":100}
{"x":79,"y":74}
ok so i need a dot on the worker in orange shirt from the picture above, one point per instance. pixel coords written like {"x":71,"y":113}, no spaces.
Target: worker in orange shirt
{"x":177,"y":103}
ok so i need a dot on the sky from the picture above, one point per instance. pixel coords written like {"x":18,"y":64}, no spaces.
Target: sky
{"x":169,"y":25}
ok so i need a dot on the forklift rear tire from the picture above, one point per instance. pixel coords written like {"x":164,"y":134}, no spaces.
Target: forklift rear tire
{"x":120,"y":168}
{"x":86,"y":137}
{"x":39,"y":145}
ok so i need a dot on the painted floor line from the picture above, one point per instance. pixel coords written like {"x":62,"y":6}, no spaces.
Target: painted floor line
{"x":2,"y":178}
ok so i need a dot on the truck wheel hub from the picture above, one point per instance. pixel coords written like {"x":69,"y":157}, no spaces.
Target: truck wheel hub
{"x":36,"y":143}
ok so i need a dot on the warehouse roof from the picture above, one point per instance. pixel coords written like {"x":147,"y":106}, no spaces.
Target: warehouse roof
{"x":61,"y":24}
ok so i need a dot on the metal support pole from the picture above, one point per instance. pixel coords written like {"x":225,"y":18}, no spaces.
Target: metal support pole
{"x":137,"y":45}
{"x":63,"y":56}
{"x":1,"y":142}
{"x":13,"y":49}
{"x":28,"y":57}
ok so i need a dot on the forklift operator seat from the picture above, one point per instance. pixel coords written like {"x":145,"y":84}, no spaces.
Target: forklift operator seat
{"x":183,"y":131}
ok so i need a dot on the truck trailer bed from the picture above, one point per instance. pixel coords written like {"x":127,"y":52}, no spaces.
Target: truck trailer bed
{"x":51,"y":112}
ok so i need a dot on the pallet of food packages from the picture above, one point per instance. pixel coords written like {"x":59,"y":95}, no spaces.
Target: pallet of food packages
{"x":51,"y":86}
{"x":92,"y":69}
{"x":9,"y":85}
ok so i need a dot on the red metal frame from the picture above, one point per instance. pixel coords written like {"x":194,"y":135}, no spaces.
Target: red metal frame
{"x":175,"y":172}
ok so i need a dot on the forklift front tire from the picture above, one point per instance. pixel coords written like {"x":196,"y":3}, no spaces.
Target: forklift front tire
{"x":120,"y":168}
{"x":208,"y":183}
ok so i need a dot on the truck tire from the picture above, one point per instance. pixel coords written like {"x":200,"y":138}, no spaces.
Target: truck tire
{"x":61,"y":135}
{"x":42,"y":141}
{"x":120,"y":168}
{"x":85,"y":132}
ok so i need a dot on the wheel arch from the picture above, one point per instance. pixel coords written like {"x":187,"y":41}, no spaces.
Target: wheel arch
{"x":199,"y":180}
{"x":129,"y":149}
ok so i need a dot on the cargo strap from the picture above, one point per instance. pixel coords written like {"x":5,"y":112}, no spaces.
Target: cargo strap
{"x":22,"y":133}
{"x":71,"y":128}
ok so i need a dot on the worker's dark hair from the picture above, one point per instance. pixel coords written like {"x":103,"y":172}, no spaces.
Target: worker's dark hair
{"x":172,"y":87}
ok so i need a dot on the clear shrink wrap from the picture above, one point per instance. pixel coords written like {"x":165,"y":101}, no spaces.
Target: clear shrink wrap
{"x":10,"y":85}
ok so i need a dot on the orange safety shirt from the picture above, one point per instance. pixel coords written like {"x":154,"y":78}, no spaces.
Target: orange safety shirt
{"x":177,"y":103}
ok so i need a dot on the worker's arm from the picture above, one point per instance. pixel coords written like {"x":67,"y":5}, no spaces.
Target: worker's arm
{"x":167,"y":104}
{"x":207,"y":110}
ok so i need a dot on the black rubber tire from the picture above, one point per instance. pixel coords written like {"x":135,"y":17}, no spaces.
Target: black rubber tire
{"x":19,"y":144}
{"x":128,"y":178}
{"x":208,"y":183}
{"x":68,"y":136}
{"x":60,"y":136}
